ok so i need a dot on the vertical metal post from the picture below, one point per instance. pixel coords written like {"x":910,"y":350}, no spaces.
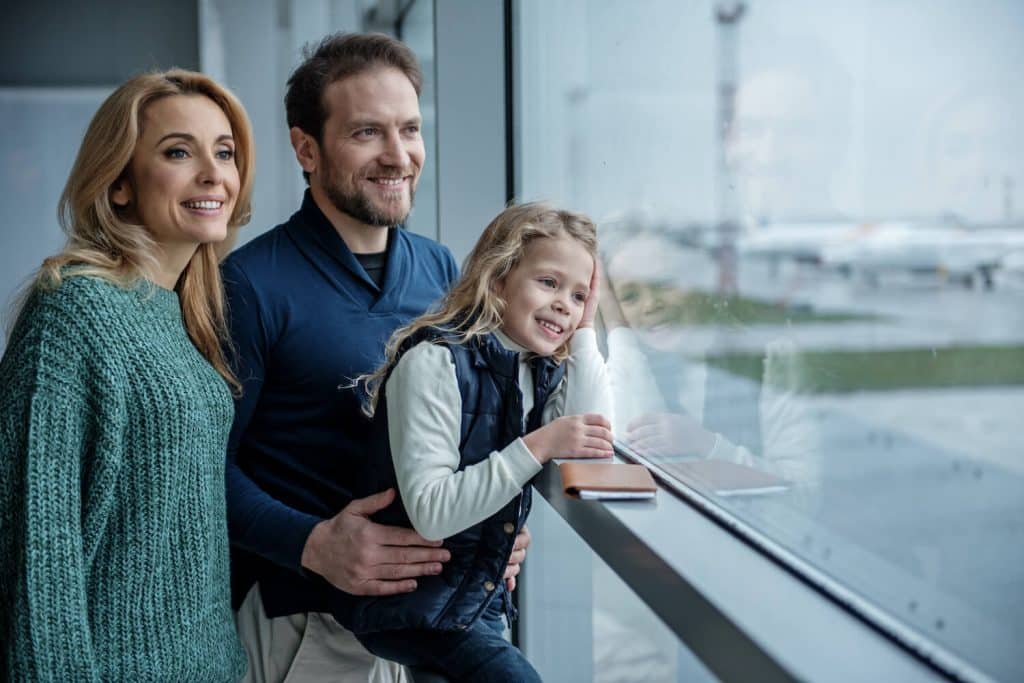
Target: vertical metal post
{"x":728,"y":14}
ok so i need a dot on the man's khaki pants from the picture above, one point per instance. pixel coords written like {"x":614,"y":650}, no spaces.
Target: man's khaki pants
{"x":306,"y":648}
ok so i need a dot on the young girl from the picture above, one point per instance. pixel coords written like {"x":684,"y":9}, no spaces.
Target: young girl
{"x":475,"y":398}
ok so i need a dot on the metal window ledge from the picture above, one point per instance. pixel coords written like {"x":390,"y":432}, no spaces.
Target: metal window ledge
{"x":744,"y":616}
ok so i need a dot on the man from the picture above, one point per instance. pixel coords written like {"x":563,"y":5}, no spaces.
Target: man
{"x":312,"y":303}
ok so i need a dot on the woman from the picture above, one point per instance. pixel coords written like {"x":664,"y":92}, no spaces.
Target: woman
{"x":117,"y":402}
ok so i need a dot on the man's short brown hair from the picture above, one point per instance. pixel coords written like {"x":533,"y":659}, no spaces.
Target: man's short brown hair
{"x":339,"y":56}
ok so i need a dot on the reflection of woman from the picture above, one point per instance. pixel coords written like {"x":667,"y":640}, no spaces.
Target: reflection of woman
{"x":116,"y":404}
{"x":672,"y":406}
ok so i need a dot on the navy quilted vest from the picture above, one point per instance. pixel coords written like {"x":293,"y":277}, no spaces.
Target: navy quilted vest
{"x":492,"y":418}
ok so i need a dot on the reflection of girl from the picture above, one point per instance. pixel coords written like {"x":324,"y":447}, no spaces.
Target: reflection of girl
{"x":471,"y":397}
{"x":116,"y":404}
{"x":670,"y":405}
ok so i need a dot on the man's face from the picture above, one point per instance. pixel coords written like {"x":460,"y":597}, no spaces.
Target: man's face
{"x":372,"y":151}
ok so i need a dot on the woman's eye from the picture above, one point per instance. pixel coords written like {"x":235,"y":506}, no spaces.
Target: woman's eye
{"x":226,"y":154}
{"x":176,"y":153}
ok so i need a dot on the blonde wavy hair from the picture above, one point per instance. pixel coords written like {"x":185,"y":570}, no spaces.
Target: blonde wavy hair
{"x":102,"y":242}
{"x":472,"y":307}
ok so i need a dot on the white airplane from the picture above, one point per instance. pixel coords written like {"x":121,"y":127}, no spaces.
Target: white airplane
{"x":802,"y":242}
{"x":953,"y":253}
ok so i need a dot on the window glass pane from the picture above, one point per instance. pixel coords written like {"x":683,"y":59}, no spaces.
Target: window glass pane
{"x":812,"y":224}
{"x":43,"y":129}
{"x":417,"y":31}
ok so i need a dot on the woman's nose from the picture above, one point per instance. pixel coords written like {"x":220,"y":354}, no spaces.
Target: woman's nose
{"x":210,"y":172}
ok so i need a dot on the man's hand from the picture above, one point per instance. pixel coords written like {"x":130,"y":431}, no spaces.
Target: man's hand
{"x":523,"y":539}
{"x":571,"y":436}
{"x":365,"y":558}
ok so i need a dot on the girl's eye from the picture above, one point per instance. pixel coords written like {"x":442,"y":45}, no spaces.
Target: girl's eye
{"x":176,"y":153}
{"x":580,"y":297}
{"x":547,"y":281}
{"x":226,"y":154}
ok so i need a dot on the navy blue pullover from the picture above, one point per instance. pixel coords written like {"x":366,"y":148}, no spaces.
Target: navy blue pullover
{"x":305,"y":320}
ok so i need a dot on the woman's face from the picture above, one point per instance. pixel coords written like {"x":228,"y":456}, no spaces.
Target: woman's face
{"x":182,"y":181}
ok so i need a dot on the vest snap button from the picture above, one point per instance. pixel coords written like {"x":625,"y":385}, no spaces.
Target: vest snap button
{"x":488,"y":586}
{"x":509,"y":527}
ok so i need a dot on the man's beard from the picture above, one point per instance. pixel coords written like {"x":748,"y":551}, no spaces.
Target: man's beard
{"x":358,"y":205}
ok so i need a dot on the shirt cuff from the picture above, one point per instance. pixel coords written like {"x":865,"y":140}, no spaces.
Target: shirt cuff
{"x":583,"y":339}
{"x":519,"y":461}
{"x":722,"y":449}
{"x":291,"y":531}
{"x":625,"y":338}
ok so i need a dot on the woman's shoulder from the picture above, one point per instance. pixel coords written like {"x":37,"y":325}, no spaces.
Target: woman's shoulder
{"x":74,"y":289}
{"x":77,"y":303}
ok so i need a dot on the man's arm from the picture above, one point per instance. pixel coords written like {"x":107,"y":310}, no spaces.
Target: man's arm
{"x":351,"y":552}
{"x":257,"y":522}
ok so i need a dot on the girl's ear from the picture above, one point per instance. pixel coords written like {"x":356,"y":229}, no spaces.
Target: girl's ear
{"x":121,"y":193}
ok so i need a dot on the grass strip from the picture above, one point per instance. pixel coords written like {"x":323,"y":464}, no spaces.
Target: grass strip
{"x":840,"y":371}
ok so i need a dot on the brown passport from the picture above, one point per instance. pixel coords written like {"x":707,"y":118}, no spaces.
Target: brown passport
{"x":604,"y":480}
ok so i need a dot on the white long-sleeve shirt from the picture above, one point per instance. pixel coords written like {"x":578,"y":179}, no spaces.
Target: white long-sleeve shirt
{"x":789,"y":446}
{"x":424,"y":425}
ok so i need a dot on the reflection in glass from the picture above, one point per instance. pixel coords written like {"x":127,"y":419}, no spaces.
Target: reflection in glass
{"x":860,"y":337}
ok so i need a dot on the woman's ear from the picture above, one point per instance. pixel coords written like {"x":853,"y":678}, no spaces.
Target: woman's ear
{"x":121,"y":193}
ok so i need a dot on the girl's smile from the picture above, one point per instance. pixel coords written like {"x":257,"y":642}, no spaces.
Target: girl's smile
{"x":545,"y":293}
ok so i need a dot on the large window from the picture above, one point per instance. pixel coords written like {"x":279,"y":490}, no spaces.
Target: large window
{"x":812,"y":226}
{"x":416,"y":29}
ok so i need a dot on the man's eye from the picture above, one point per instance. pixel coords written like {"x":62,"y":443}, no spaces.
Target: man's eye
{"x":412,"y":130}
{"x":176,"y":153}
{"x":366,"y":132}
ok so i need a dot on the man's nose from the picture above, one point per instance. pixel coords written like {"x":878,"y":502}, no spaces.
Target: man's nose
{"x":394,"y":152}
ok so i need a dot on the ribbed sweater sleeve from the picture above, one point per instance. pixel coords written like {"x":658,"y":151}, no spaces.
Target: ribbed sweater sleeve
{"x":50,"y":603}
{"x":113,"y":551}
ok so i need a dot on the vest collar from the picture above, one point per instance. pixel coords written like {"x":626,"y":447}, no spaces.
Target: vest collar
{"x":507,"y":342}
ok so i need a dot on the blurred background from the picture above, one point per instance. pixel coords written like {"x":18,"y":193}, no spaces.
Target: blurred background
{"x":812,"y":227}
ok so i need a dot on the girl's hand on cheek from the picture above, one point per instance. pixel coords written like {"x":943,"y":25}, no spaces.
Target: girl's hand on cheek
{"x":590,"y":307}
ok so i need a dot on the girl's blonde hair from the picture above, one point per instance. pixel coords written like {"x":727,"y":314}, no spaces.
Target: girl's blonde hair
{"x":103,"y":243}
{"x":472,"y":307}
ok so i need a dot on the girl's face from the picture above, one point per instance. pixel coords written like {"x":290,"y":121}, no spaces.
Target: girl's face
{"x":182,"y":181}
{"x":545,"y":294}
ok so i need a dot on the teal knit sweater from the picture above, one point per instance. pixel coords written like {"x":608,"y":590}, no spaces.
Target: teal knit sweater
{"x":113,"y":531}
